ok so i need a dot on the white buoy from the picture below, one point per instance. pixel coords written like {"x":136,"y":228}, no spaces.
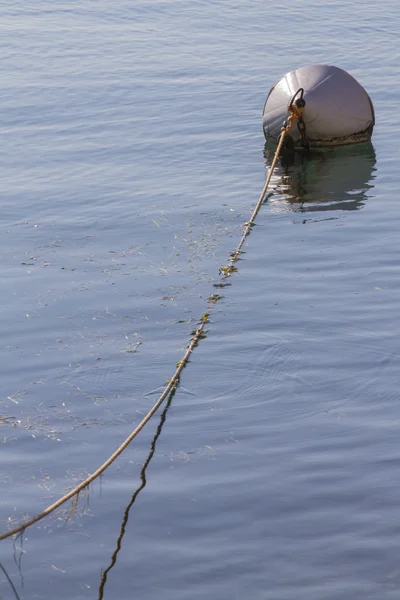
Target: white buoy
{"x":337,"y":110}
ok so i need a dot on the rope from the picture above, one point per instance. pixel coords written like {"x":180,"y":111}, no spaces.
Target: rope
{"x":76,"y":490}
{"x":295,"y":114}
{"x":249,"y":224}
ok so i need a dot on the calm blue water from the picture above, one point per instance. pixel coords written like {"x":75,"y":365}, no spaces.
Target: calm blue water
{"x":131,"y":154}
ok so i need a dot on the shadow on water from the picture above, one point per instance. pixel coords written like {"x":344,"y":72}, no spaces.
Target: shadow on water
{"x":143,"y":482}
{"x":324,"y":179}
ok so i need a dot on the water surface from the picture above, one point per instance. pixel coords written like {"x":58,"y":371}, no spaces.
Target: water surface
{"x":132,"y":153}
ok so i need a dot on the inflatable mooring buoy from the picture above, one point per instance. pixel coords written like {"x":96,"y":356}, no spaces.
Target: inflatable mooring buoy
{"x":337,"y":109}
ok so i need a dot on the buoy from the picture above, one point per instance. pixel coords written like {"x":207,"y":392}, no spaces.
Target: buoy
{"x":337,"y":111}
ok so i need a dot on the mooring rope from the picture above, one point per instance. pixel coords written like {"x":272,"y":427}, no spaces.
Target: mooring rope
{"x":295,"y":113}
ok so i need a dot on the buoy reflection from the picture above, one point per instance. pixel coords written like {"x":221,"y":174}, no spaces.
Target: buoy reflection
{"x":323,"y":179}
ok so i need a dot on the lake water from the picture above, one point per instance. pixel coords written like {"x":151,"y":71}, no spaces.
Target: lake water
{"x":131,"y":154}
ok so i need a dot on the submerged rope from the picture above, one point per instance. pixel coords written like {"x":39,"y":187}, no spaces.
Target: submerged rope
{"x":9,"y":581}
{"x":197,"y":335}
{"x":143,"y":482}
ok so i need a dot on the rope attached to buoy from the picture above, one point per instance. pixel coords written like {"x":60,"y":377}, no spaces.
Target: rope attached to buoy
{"x":295,"y":114}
